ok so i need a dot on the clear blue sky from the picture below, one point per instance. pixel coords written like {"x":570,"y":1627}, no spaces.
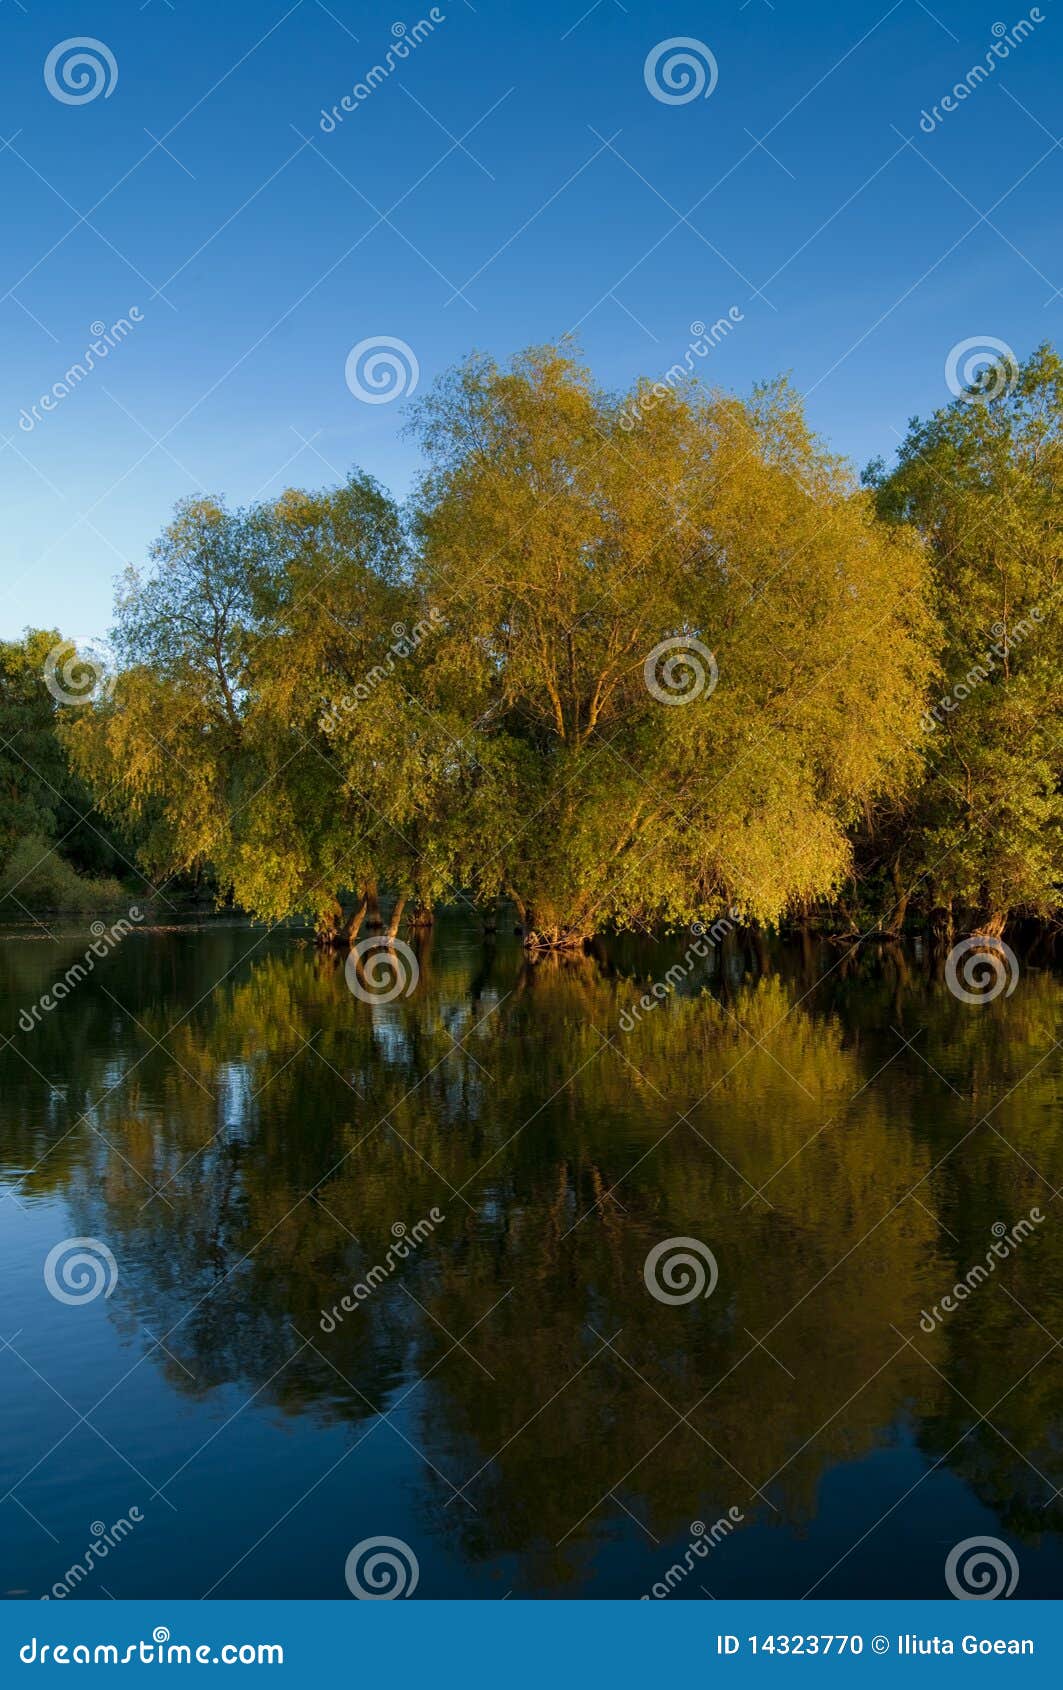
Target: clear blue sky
{"x":856,"y":260}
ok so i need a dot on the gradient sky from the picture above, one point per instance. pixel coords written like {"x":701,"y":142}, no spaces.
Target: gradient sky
{"x":518,"y":156}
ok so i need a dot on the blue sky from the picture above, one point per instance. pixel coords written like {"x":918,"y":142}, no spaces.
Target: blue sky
{"x":517,"y":155}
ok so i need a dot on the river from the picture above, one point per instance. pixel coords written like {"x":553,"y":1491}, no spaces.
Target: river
{"x":409,"y":1269}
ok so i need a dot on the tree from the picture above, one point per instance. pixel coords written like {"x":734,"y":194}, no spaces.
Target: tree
{"x":164,"y":748}
{"x":596,"y":578}
{"x":234,"y":733}
{"x":646,"y":659}
{"x":982,"y":481}
{"x":51,"y":841}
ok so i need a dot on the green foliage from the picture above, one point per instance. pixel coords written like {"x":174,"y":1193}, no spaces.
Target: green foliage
{"x":568,"y":547}
{"x":46,"y":812}
{"x":982,"y":481}
{"x":33,"y":771}
{"x":625,"y":663}
{"x":253,"y":630}
{"x":36,"y":877}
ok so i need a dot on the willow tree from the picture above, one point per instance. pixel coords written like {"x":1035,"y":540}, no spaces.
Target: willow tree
{"x":692,"y":647}
{"x":982,"y":481}
{"x":241,"y":648}
{"x":314,"y":824}
{"x":165,"y":748}
{"x":357,"y":732}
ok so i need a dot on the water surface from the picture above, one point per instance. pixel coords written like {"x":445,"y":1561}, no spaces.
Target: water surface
{"x":248,"y":1140}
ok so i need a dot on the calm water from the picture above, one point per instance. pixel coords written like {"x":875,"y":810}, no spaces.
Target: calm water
{"x":217,"y":1109}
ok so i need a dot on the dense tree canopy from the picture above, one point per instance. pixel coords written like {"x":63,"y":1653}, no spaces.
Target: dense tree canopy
{"x":53,"y":847}
{"x":983,"y":483}
{"x":692,"y":644}
{"x":618,"y":672}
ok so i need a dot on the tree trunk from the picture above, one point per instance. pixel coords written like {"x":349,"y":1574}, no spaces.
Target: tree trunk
{"x":330,"y":926}
{"x":375,"y":920}
{"x":396,"y":916}
{"x":354,"y":926}
{"x":760,"y":947}
{"x":548,"y":926}
{"x":942,"y":925}
{"x":895,"y":925}
{"x":521,"y":927}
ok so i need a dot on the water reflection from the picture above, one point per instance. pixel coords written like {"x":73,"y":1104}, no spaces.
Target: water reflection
{"x":839,"y":1130}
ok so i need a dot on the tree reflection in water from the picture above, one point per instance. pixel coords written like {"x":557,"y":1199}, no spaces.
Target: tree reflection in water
{"x":818,"y":1120}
